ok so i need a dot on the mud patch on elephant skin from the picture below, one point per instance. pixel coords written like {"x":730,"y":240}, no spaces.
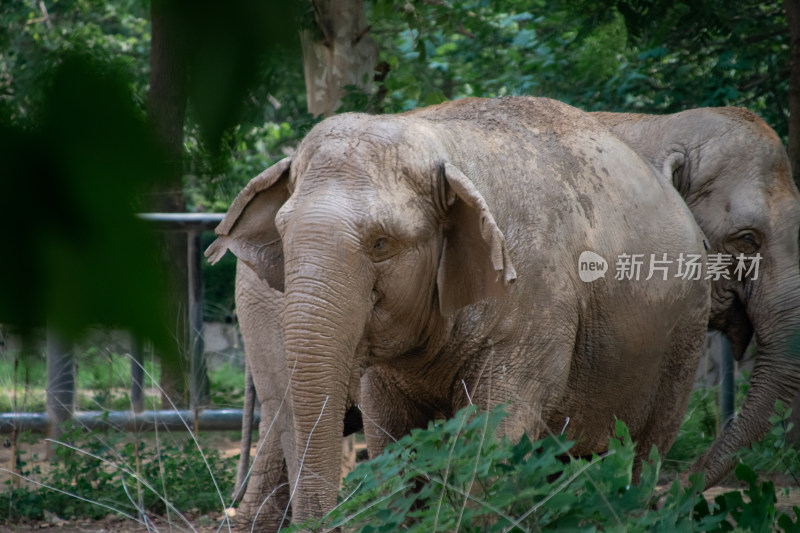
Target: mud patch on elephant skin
{"x":740,"y":114}
{"x":587,"y":207}
{"x":522,"y":113}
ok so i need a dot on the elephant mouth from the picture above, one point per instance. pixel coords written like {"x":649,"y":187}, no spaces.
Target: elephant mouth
{"x":352,"y":420}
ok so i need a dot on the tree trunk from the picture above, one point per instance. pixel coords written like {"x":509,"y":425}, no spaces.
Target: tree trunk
{"x":792,"y":8}
{"x":342,"y":54}
{"x":166,"y":101}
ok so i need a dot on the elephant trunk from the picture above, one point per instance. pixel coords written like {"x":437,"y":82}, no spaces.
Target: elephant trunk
{"x":327,"y":302}
{"x":776,"y":375}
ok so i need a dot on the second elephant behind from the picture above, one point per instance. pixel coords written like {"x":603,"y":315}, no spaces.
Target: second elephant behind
{"x":733,"y":172}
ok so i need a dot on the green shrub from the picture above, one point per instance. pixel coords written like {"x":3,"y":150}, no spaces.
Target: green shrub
{"x":774,"y":453}
{"x":100,"y":473}
{"x":697,"y":432}
{"x":227,"y":385}
{"x":457,"y":475}
{"x":23,"y":376}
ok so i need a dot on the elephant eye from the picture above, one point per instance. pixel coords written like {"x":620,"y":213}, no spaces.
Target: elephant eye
{"x":383,"y":248}
{"x":747,"y":242}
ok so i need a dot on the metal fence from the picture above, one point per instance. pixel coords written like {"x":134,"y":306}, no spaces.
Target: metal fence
{"x":61,"y":381}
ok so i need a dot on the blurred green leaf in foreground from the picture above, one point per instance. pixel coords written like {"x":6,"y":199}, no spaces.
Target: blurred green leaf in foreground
{"x":73,"y":254}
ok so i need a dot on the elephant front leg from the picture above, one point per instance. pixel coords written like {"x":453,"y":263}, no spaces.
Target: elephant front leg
{"x":517,"y":377}
{"x":265,"y":504}
{"x":523,"y":411}
{"x":243,"y":467}
{"x":388,"y":413}
{"x":674,"y":387}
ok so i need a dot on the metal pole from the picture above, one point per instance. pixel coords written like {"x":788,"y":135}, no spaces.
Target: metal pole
{"x":193,"y":224}
{"x":137,"y":375}
{"x":207,"y":420}
{"x":727,"y":385}
{"x":60,"y":385}
{"x":198,"y":384}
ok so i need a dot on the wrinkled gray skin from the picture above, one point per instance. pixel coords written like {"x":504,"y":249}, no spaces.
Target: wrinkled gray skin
{"x":265,"y":500}
{"x":259,"y":308}
{"x":402,"y":237}
{"x":733,"y":172}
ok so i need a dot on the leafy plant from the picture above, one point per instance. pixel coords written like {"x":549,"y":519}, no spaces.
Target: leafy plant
{"x":456,"y":475}
{"x":100,"y":473}
{"x":227,"y":385}
{"x":774,"y":453}
{"x":755,"y":513}
{"x":697,"y":432}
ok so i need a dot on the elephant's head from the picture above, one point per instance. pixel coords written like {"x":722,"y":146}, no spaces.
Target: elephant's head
{"x":733,"y":172}
{"x":376,"y":240}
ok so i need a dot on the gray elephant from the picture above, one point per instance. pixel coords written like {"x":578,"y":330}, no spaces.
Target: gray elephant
{"x":402,"y":238}
{"x":733,"y":172}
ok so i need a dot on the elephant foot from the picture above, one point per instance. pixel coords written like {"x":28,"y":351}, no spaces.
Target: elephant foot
{"x":257,"y":514}
{"x":266,"y":499}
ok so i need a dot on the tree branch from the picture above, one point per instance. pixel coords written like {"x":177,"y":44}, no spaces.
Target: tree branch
{"x":46,"y":15}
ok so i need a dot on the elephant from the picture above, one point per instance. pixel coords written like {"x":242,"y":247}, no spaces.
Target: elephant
{"x":437,"y":259}
{"x":733,"y":172}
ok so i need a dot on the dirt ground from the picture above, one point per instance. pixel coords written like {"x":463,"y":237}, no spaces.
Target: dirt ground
{"x":210,"y":523}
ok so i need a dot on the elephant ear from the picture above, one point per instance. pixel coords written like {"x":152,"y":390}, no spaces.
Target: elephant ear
{"x":474,"y":264}
{"x":248,"y":229}
{"x":676,"y":171}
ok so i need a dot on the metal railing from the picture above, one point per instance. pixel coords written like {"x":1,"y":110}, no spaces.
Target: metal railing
{"x":171,"y":420}
{"x":61,"y":364}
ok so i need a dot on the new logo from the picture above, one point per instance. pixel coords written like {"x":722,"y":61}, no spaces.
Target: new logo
{"x":591,"y":266}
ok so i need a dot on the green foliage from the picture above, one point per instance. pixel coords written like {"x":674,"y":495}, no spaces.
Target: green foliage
{"x":73,"y":82}
{"x":618,"y":56}
{"x":227,"y":385}
{"x":474,"y":48}
{"x":27,"y":371}
{"x":251,"y":152}
{"x":83,"y":258}
{"x":774,"y":453}
{"x":702,"y":53}
{"x":103,"y":382}
{"x":698,"y":430}
{"x":102,"y":473}
{"x":755,"y":513}
{"x":454,"y":475}
{"x":35,"y":38}
{"x":457,"y":475}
